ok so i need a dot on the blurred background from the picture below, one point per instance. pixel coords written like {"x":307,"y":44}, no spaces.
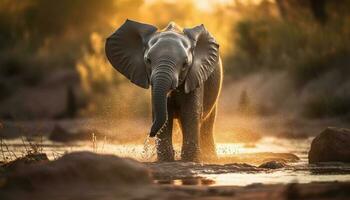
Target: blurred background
{"x":286,"y":63}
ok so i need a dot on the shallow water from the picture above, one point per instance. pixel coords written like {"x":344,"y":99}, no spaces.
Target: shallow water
{"x":206,"y":174}
{"x":279,"y":176}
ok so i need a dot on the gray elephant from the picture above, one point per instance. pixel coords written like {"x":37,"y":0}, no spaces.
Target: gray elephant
{"x":184,"y":69}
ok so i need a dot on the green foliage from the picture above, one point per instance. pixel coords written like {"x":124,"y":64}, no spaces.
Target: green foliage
{"x":306,"y":50}
{"x":327,"y":106}
{"x":41,"y":36}
{"x":33,"y":21}
{"x":38,"y":37}
{"x":317,"y":65}
{"x":17,"y":70}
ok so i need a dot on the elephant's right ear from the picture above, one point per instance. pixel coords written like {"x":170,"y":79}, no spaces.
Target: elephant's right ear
{"x":125,"y":48}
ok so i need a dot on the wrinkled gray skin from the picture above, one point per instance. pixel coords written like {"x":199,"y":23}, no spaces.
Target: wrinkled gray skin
{"x":184,"y":70}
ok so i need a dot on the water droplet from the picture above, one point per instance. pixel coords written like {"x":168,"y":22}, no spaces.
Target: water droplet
{"x":149,"y":149}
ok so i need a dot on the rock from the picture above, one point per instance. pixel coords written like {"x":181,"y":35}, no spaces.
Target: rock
{"x":79,"y":175}
{"x":331,"y":145}
{"x":182,"y":170}
{"x":59,"y":95}
{"x":25,"y":160}
{"x":61,"y":134}
{"x":272,"y":165}
{"x":79,"y":168}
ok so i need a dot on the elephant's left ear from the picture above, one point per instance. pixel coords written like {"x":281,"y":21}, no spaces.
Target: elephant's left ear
{"x":205,"y":56}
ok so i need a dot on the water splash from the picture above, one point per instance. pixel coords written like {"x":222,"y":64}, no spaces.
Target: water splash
{"x":149,"y":149}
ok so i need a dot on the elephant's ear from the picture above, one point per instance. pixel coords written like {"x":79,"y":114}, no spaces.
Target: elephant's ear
{"x":125,"y":48}
{"x":205,"y":57}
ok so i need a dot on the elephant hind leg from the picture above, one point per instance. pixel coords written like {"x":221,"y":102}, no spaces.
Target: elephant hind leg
{"x":207,"y":143}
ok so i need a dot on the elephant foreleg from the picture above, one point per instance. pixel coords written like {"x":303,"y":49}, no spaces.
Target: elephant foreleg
{"x":189,"y":118}
{"x":165,"y":150}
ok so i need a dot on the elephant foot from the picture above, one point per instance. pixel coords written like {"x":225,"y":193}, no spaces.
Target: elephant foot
{"x":165,"y":156}
{"x":191,"y":155}
{"x":191,"y":158}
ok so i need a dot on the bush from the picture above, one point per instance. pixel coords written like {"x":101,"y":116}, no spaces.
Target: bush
{"x":307,"y":51}
{"x":264,"y":41}
{"x":327,"y":106}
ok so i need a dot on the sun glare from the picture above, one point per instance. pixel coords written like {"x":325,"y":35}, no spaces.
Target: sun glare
{"x":209,"y":5}
{"x":204,"y":5}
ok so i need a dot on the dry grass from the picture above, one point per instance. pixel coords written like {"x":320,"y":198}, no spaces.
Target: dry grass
{"x":31,"y":146}
{"x":98,"y":146}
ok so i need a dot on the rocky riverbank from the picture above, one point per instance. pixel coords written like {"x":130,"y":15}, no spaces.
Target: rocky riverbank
{"x":86,"y":175}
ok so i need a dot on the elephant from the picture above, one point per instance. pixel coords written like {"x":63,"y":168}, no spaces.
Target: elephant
{"x":184,"y":69}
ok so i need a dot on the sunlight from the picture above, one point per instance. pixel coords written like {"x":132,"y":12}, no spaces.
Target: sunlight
{"x":209,"y":5}
{"x":249,"y":96}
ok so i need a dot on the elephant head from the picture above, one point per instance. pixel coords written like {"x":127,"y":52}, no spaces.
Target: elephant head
{"x":168,"y":59}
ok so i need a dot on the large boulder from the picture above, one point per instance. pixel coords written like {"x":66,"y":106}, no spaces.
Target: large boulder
{"x":331,"y":145}
{"x":79,"y":175}
{"x":59,"y":95}
{"x":24,"y":161}
{"x":80,"y":167}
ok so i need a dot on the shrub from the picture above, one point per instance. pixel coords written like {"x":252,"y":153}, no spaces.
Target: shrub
{"x":327,"y":106}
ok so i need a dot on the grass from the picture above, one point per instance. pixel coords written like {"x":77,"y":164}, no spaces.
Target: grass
{"x":31,"y":146}
{"x":7,"y":154}
{"x":34,"y":146}
{"x":96,"y":146}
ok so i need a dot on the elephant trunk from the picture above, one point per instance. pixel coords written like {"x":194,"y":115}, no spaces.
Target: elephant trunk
{"x":162,"y":81}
